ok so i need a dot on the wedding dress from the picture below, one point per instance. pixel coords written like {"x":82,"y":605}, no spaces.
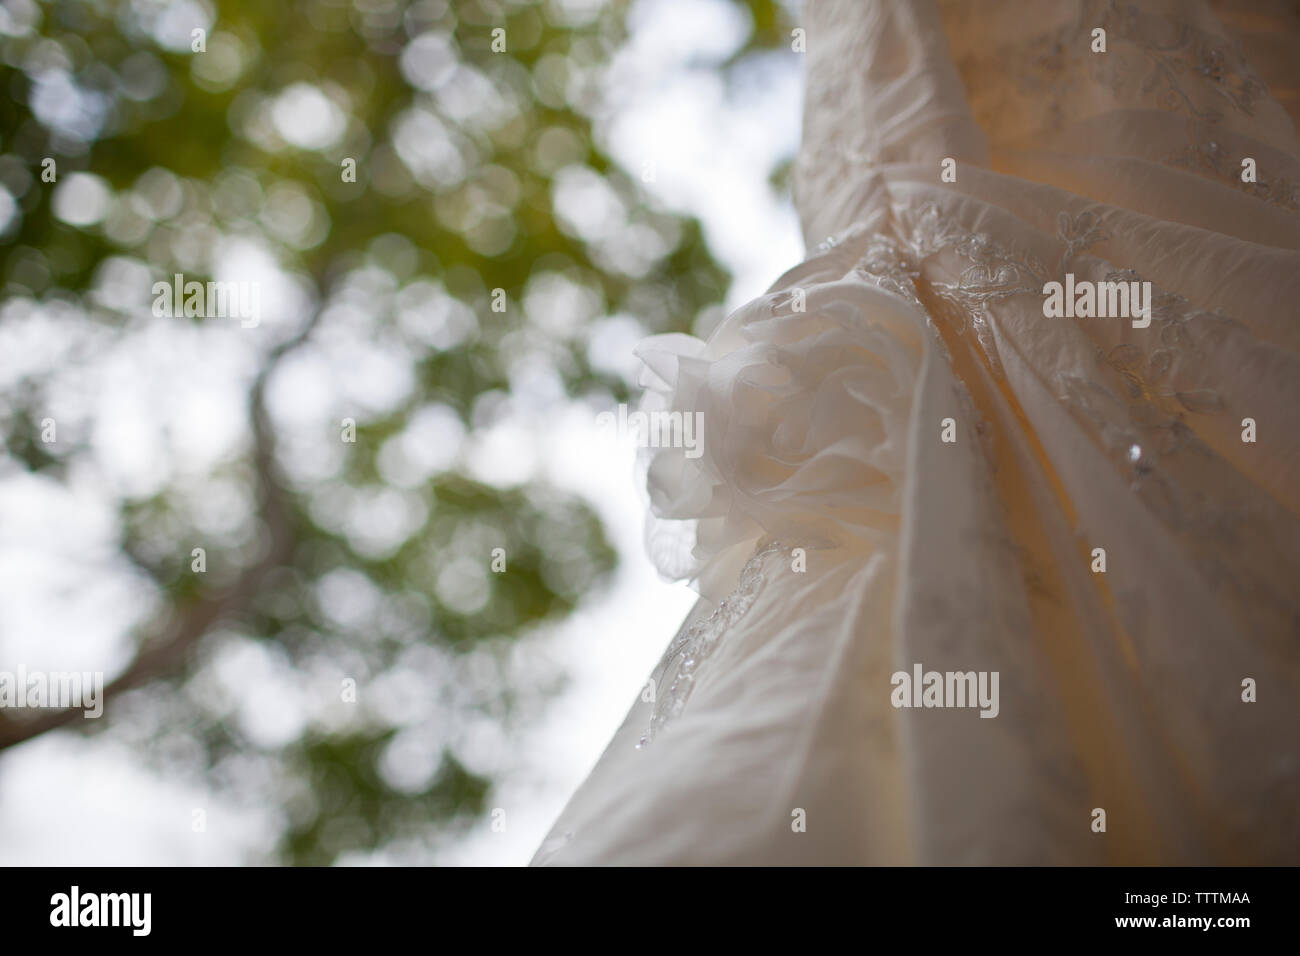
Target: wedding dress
{"x":906,"y":462}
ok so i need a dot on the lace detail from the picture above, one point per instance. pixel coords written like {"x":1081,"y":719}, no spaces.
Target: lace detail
{"x":995,"y":273}
{"x":1219,"y":68}
{"x":887,"y":265}
{"x":1136,"y":403}
{"x":1151,"y":62}
{"x":1139,"y":414}
{"x":699,"y":641}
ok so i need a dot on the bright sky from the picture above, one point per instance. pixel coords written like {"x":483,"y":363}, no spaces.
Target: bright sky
{"x":70,"y":800}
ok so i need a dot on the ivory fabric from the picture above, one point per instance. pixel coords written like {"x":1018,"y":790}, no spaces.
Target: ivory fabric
{"x":772,"y":738}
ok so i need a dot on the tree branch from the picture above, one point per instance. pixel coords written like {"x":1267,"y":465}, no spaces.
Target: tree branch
{"x":165,"y":653}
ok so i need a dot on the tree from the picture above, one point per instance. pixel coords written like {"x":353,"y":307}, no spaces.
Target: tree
{"x":413,"y":184}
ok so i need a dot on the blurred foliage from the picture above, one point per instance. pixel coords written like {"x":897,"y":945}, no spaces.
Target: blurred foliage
{"x":462,"y":158}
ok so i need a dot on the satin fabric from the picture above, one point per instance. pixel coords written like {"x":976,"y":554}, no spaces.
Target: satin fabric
{"x":836,"y":537}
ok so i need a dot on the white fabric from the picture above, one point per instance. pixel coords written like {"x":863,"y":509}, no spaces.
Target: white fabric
{"x":1119,"y":690}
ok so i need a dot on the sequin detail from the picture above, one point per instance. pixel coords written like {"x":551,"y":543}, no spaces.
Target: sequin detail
{"x":700,"y":640}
